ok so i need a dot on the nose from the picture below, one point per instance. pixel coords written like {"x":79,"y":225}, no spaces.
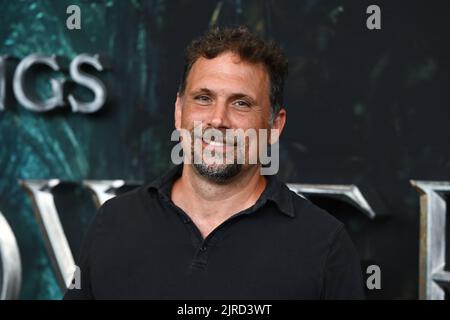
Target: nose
{"x":219,"y":116}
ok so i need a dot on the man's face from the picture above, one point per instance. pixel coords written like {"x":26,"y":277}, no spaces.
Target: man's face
{"x":223,"y":94}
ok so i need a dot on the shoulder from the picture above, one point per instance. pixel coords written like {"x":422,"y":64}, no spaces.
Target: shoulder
{"x":124,"y":208}
{"x":126,"y":200}
{"x":308,"y":211}
{"x":313,"y":220}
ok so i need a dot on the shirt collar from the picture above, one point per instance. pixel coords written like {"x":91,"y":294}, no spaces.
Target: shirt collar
{"x":275,"y":191}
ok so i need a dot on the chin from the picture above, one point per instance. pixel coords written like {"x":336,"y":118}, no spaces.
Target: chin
{"x":219,"y":173}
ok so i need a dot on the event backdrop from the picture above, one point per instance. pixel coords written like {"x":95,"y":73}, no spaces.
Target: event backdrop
{"x":365,"y":107}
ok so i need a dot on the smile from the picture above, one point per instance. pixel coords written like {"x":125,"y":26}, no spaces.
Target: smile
{"x":217,"y":145}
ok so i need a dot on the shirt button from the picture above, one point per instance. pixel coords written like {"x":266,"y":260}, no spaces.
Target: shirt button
{"x":203,"y":248}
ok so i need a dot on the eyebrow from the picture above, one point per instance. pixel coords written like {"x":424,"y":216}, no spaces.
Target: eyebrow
{"x":233,"y":96}
{"x":202,"y":90}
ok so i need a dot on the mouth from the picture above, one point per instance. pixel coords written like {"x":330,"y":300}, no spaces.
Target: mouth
{"x":217,"y":145}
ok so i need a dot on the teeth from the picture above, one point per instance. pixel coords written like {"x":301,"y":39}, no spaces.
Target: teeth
{"x":215,"y":144}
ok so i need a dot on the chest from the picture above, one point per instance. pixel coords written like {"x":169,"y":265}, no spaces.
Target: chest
{"x":232,"y":266}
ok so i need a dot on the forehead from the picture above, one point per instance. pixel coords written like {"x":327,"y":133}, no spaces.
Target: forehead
{"x":228,"y":70}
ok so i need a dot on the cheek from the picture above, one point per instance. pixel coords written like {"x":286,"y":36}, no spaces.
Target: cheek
{"x":254,"y":122}
{"x":245,"y":120}
{"x":190,"y":115}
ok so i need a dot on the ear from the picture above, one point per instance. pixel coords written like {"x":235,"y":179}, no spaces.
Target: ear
{"x":278,"y":125}
{"x":178,"y":107}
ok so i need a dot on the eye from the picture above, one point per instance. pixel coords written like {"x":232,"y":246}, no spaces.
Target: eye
{"x":202,"y":99}
{"x":242,"y":104}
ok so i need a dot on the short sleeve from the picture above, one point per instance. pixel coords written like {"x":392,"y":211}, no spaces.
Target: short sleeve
{"x":342,"y":278}
{"x":84,"y":260}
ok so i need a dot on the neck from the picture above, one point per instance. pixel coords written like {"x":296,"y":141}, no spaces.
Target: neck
{"x":205,"y":200}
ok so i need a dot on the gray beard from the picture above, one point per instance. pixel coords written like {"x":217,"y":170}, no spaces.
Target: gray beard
{"x":218,"y":174}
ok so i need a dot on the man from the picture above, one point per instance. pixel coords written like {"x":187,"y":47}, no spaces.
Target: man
{"x":220,"y":230}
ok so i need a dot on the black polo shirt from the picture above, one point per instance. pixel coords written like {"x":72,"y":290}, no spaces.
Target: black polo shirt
{"x":141,"y":245}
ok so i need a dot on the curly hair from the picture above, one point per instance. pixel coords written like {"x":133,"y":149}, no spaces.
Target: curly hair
{"x":250,"y":48}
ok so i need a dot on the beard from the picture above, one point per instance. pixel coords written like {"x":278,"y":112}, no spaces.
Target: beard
{"x":218,"y":173}
{"x":215,"y":172}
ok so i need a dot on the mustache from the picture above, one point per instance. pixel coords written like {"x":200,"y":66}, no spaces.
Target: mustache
{"x":225,"y":136}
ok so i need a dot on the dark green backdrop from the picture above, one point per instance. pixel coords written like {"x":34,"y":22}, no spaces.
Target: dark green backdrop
{"x":364,"y":107}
